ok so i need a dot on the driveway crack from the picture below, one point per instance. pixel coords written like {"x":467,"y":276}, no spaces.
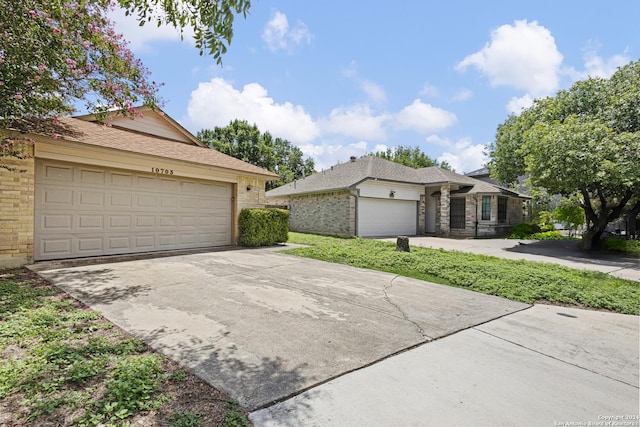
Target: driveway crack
{"x":404,"y":315}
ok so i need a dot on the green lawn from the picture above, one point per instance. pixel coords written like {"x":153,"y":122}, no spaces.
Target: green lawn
{"x":523,"y":281}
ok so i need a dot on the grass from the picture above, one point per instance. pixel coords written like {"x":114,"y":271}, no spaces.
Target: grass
{"x":64,"y":364}
{"x":518,"y":280}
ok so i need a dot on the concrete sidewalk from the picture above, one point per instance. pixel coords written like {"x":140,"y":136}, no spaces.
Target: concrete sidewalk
{"x":544,"y":366}
{"x":563,"y":252}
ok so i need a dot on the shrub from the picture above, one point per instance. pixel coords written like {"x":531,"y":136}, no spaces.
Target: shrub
{"x":546,"y":235}
{"x":618,"y":244}
{"x":263,"y":227}
{"x":524,"y":230}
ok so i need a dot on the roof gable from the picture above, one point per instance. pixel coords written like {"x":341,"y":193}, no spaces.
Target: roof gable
{"x":150,"y":122}
{"x":92,"y":133}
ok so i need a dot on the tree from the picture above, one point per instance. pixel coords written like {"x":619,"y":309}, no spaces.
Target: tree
{"x":412,"y":157}
{"x":247,"y":143}
{"x":569,"y":212}
{"x":210,"y":20}
{"x":585,"y":140}
{"x":56,"y":52}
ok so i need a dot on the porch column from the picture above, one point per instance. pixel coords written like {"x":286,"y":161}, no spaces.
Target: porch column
{"x":445,"y":199}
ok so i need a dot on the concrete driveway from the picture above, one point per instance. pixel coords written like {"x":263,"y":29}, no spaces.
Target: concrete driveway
{"x":264,"y":326}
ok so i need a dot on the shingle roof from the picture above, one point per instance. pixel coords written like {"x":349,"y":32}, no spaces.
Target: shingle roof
{"x":348,"y":175}
{"x":120,"y":139}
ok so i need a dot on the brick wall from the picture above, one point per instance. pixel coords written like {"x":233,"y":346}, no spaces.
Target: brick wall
{"x":331,"y":213}
{"x":16,"y":211}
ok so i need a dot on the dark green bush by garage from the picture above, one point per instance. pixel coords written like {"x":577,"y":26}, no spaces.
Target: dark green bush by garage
{"x":263,"y":227}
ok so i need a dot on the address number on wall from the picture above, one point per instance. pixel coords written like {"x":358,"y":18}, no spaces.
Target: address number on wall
{"x":162,"y":171}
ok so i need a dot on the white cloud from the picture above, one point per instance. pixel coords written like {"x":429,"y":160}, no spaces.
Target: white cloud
{"x":217,"y":102}
{"x":279,"y":36}
{"x":357,"y":121}
{"x":462,"y":95}
{"x":429,"y":90}
{"x":464,"y":156}
{"x":523,"y":55}
{"x":424,"y":118}
{"x":329,"y":153}
{"x":374,"y":91}
{"x":597,"y":66}
{"x":516,"y":105}
{"x":140,"y":38}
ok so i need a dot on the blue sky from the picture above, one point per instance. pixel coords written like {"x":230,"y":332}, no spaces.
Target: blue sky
{"x":340,"y":78}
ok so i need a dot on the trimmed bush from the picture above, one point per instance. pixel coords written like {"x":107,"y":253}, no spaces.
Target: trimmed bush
{"x":263,"y":227}
{"x":524,"y":229}
{"x":618,"y":244}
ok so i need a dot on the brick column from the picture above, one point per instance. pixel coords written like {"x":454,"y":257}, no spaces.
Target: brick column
{"x":17,"y":188}
{"x":445,"y":206}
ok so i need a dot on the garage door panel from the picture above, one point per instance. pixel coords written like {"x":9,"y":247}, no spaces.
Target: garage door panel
{"x":383,"y":217}
{"x":145,"y":221}
{"x":58,"y":173}
{"x":120,"y":200}
{"x":56,"y":246}
{"x":90,"y":222}
{"x":85,"y":211}
{"x":119,"y":179}
{"x":91,"y":245}
{"x":92,"y":176}
{"x":55,"y":197}
{"x":145,"y":242}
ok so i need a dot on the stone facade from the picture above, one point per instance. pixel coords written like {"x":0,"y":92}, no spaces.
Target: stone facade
{"x":331,"y":213}
{"x":444,"y":209}
{"x":422,"y":214}
{"x":485,"y":228}
{"x":17,"y":189}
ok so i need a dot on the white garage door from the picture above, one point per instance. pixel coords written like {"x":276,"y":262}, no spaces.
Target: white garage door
{"x":87,"y":211}
{"x":386,"y":217}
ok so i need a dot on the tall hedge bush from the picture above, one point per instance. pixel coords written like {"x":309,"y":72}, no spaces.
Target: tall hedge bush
{"x":263,"y":227}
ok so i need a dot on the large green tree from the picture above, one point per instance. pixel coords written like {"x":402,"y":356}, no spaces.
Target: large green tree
{"x":413,"y":157}
{"x":245,"y":142}
{"x":584,"y":140}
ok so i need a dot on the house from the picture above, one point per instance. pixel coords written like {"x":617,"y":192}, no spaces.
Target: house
{"x":131,"y":186}
{"x":371,"y":196}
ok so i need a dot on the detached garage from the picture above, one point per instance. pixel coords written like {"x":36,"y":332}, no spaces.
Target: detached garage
{"x":135,"y":186}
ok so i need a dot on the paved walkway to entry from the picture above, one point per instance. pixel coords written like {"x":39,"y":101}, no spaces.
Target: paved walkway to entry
{"x":264,"y":326}
{"x":563,"y":252}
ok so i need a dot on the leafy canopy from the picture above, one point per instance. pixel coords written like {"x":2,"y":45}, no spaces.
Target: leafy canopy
{"x":585,"y":140}
{"x":53,"y":53}
{"x":247,"y":143}
{"x":410,"y":156}
{"x":210,"y":20}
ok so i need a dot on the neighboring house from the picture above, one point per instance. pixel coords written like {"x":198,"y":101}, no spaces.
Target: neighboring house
{"x":371,"y":196}
{"x":134,"y":186}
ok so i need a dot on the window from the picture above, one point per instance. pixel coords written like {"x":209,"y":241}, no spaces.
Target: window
{"x":486,"y":208}
{"x":502,"y":208}
{"x":456,"y":214}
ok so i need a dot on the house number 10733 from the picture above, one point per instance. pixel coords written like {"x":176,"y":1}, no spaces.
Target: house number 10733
{"x":161,"y":170}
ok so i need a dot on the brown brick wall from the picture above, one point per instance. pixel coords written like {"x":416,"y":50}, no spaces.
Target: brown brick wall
{"x":331,"y":213}
{"x":16,"y":211}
